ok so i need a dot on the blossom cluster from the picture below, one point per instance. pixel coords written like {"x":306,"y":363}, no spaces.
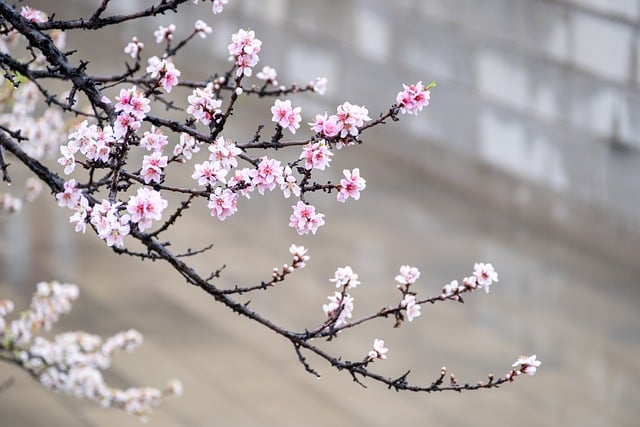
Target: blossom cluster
{"x":244,"y":49}
{"x":300,"y":259}
{"x":203,"y":105}
{"x":379,"y":350}
{"x":164,"y":70}
{"x":527,"y":365}
{"x":43,"y":132}
{"x":406,"y":277}
{"x":109,"y":219}
{"x":105,"y":146}
{"x":345,"y":123}
{"x":33,"y":15}
{"x":339,"y":308}
{"x":413,"y":98}
{"x":305,"y":219}
{"x":316,"y":155}
{"x":269,"y":74}
{"x":483,"y":276}
{"x":345,"y":277}
{"x":285,"y":115}
{"x":72,"y":362}
{"x":134,"y":47}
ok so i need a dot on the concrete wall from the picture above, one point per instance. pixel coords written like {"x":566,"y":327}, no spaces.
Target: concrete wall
{"x":537,"y":108}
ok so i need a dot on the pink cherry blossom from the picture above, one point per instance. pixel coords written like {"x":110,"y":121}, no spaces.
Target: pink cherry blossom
{"x":316,"y":155}
{"x":111,"y":227}
{"x":202,"y":104}
{"x":305,"y":219}
{"x":285,"y":115}
{"x":133,"y":102}
{"x":218,"y":5}
{"x":485,"y":275}
{"x":289,"y":185}
{"x":155,"y":140}
{"x":202,"y":28}
{"x":351,"y":185}
{"x":152,"y":166}
{"x":413,"y":99}
{"x":82,"y":137}
{"x":118,"y":229}
{"x":326,"y":126}
{"x":70,"y":197}
{"x":319,"y":85}
{"x":67,"y":160}
{"x":344,"y":276}
{"x":147,"y":205}
{"x":166,"y":72}
{"x":527,"y":364}
{"x":224,"y":151}
{"x":163,"y":33}
{"x":451,"y":289}
{"x":98,"y":150}
{"x":79,"y":218}
{"x":339,"y":303}
{"x":244,"y":50}
{"x":242,"y":181}
{"x":413,"y":309}
{"x":270,"y":174}
{"x":408,"y":275}
{"x":33,"y":15}
{"x":352,"y":118}
{"x":134,"y":47}
{"x":124,"y":123}
{"x":269,"y":74}
{"x":300,"y":256}
{"x":187,"y":146}
{"x":102,"y":215}
{"x":379,"y":350}
{"x":223,"y":203}
{"x":209,"y":173}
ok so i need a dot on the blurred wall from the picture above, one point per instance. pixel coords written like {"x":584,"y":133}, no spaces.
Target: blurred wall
{"x":537,"y":108}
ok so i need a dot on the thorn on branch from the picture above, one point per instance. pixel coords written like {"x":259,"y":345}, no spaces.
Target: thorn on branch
{"x":216,"y":273}
{"x":304,"y":362}
{"x":355,"y":379}
{"x":191,"y":252}
{"x":400,"y":383}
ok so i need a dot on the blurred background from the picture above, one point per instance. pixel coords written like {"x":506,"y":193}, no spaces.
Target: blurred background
{"x":528,"y":157}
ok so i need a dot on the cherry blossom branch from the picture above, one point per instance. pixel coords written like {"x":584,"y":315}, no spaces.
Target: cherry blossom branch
{"x":96,"y":22}
{"x":297,"y":338}
{"x":72,"y":362}
{"x":184,"y":205}
{"x":56,"y":58}
{"x":103,"y":150}
{"x":52,"y":180}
